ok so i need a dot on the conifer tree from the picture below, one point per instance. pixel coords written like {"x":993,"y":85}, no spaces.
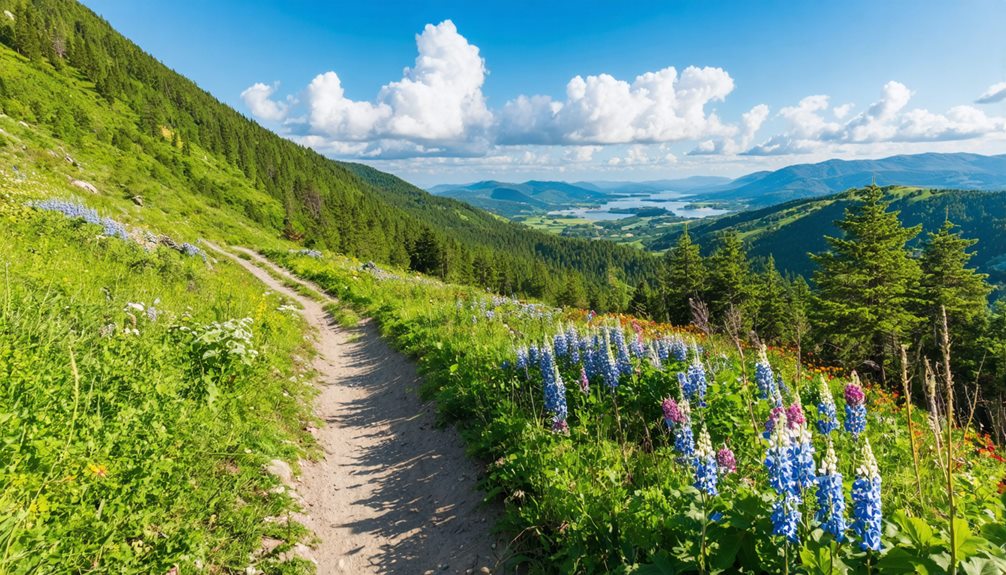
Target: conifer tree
{"x":798,"y":299}
{"x":573,"y":293}
{"x":866,"y":281}
{"x":684,"y":277}
{"x":772,"y":303}
{"x":729,"y":277}
{"x":641,"y":300}
{"x":948,"y":282}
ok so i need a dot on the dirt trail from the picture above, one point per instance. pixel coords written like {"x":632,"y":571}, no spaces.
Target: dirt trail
{"x":393,"y":494}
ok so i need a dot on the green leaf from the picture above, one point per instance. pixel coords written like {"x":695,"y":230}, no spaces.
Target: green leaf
{"x":919,"y":533}
{"x":662,"y":565}
{"x":965,"y":543}
{"x":815,"y":559}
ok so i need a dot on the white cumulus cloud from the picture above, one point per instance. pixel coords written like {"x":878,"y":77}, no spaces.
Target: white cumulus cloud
{"x":887,"y":120}
{"x":257,"y":98}
{"x":751,"y":122}
{"x":661,"y":106}
{"x":995,"y":93}
{"x":437,"y":102}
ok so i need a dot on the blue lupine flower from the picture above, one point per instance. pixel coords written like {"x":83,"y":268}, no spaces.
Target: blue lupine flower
{"x":764,"y":377}
{"x":191,"y":251}
{"x":786,"y":517}
{"x":678,"y":418}
{"x":802,"y":454}
{"x":679,"y":350}
{"x":559,"y":345}
{"x":609,"y":368}
{"x":663,"y":349}
{"x":636,"y":347}
{"x":685,"y":385}
{"x":827,"y":412}
{"x":618,"y":338}
{"x":532,"y":353}
{"x":697,"y":379}
{"x":693,"y":383}
{"x":830,"y":497}
{"x":779,"y":463}
{"x":554,"y":390}
{"x":866,"y":510}
{"x":705,"y":464}
{"x":522,"y":360}
{"x":855,"y":408}
{"x":778,"y":458}
{"x":110,"y":227}
{"x":573,"y":344}
{"x":684,"y":439}
{"x":589,"y":355}
{"x":780,"y":388}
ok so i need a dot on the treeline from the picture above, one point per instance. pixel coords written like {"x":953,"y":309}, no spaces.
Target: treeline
{"x":318,"y":202}
{"x":793,"y":230}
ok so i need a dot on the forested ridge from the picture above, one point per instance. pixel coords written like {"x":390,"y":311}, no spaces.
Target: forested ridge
{"x":319,"y":202}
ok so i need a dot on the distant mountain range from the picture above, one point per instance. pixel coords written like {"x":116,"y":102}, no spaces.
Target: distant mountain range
{"x":756,"y":190}
{"x":947,"y":171}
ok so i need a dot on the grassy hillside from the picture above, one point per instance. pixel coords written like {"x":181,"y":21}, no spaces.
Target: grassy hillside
{"x":136,"y":128}
{"x":144,"y":391}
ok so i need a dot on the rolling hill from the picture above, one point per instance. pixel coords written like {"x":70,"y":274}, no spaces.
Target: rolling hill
{"x":532,"y":197}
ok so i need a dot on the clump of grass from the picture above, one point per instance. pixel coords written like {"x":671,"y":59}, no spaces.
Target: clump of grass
{"x":343,"y":315}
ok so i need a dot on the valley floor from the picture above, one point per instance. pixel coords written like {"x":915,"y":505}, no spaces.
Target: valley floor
{"x":392,"y":492}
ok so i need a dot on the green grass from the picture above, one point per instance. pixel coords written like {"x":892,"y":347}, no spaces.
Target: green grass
{"x":124,"y":447}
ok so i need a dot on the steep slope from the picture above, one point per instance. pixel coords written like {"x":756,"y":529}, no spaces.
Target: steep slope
{"x":140,"y":129}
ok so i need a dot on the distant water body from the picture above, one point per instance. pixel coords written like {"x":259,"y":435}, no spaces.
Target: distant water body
{"x":674,"y":202}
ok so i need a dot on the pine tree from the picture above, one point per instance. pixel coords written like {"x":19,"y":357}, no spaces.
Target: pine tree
{"x":573,"y":293}
{"x":729,"y":277}
{"x":772,"y":303}
{"x":865,"y":282}
{"x":684,"y":278}
{"x":948,"y":282}
{"x":427,"y":254}
{"x":641,"y":300}
{"x":798,"y":300}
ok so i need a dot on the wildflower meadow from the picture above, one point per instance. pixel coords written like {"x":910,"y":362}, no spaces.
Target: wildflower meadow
{"x":624,"y":446}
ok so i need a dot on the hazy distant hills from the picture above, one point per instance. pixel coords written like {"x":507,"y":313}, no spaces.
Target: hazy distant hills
{"x":690,"y":184}
{"x":510,"y":199}
{"x":948,"y":171}
{"x":756,"y":190}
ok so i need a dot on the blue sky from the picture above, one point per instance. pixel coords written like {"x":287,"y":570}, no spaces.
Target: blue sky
{"x":549,"y":90}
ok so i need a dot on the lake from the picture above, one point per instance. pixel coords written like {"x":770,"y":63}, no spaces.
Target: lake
{"x":674,"y":202}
